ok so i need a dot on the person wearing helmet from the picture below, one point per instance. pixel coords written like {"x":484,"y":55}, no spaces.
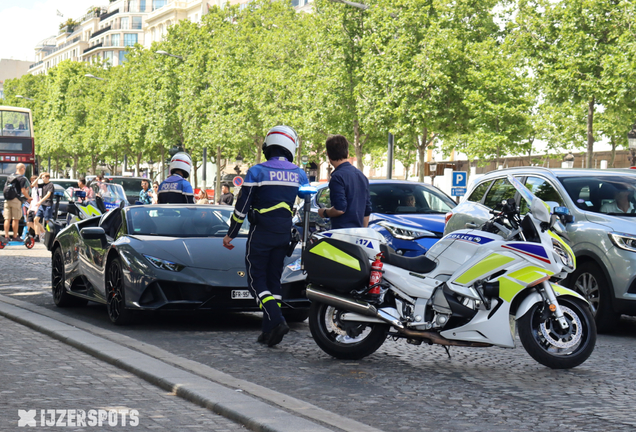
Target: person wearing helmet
{"x":176,"y":189}
{"x":266,"y":198}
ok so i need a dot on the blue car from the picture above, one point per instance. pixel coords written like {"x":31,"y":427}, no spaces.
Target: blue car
{"x":409,"y":215}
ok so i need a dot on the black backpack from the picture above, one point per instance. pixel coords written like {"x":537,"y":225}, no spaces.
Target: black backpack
{"x":10,"y":190}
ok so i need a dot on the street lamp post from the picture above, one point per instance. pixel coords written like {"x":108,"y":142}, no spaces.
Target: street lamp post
{"x":161,"y":52}
{"x":432,"y":170}
{"x":568,"y":161}
{"x":631,"y":143}
{"x":95,"y":77}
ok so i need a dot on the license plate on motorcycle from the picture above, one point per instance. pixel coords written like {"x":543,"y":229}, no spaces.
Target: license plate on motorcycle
{"x":241,"y":294}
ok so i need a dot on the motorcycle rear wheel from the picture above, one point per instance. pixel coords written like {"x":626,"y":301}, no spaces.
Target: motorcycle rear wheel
{"x":553,"y":347}
{"x":331,"y":335}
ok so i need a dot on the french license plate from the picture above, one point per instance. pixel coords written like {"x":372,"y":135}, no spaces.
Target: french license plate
{"x":241,"y":294}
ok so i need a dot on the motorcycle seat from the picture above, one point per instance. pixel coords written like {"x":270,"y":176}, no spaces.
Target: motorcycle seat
{"x":420,"y":264}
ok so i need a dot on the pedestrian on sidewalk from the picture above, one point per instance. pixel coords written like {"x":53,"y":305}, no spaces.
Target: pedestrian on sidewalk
{"x":268,"y":195}
{"x":15,"y":193}
{"x":33,"y":207}
{"x":348,"y":188}
{"x":45,"y":212}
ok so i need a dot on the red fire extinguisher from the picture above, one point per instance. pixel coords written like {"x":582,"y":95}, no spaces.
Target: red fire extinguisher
{"x":376,"y":275}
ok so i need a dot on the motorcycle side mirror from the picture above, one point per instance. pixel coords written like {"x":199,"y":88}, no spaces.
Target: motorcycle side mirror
{"x":563,"y":213}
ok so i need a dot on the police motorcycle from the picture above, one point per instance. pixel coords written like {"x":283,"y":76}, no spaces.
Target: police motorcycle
{"x":102,"y":198}
{"x":471,"y":289}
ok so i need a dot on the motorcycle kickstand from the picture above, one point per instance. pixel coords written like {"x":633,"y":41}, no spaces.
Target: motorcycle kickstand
{"x":447,"y":351}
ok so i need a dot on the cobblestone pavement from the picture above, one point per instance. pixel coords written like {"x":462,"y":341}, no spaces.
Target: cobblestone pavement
{"x":40,"y":373}
{"x":401,"y":387}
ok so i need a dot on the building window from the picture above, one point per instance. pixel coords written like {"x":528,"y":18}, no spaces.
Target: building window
{"x":142,"y":5}
{"x":108,"y":56}
{"x":122,"y":57}
{"x":124,"y":23}
{"x":156,"y":4}
{"x":114,"y":39}
{"x":130,"y":39}
{"x":136,"y":23}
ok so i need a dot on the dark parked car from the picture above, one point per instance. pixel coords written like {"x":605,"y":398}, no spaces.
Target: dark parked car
{"x":159,"y":257}
{"x":603,"y":238}
{"x":409,"y":215}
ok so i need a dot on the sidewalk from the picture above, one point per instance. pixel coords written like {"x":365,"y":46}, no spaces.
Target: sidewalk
{"x":250,"y":405}
{"x":40,"y":373}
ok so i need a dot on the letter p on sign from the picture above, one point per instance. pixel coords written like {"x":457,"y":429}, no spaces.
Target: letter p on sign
{"x":459,"y":178}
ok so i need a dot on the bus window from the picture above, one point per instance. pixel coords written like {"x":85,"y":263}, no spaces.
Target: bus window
{"x":13,"y":123}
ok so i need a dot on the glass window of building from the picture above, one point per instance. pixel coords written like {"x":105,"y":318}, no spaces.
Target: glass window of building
{"x":156,"y":4}
{"x":130,"y":39}
{"x":136,"y":23}
{"x":124,"y":23}
{"x":133,"y":6}
{"x":142,"y":5}
{"x":108,"y":56}
{"x":122,"y":57}
{"x":114,"y":39}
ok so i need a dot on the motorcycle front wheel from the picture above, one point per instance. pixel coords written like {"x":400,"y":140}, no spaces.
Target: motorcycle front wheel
{"x":344,"y":340}
{"x":556,"y":348}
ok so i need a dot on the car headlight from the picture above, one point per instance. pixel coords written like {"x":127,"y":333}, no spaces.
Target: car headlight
{"x":562,"y":253}
{"x":405,"y":232}
{"x":164,"y":264}
{"x":624,"y":241}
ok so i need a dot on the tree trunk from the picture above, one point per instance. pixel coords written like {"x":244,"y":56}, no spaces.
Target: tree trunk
{"x":259,"y":149}
{"x":300,"y":153}
{"x":94,"y":160}
{"x":138,"y":165}
{"x":421,"y":154}
{"x":613,"y":142}
{"x":163,"y":164}
{"x":219,"y":167}
{"x":357,"y":145}
{"x":590,"y":134}
{"x":75,"y":166}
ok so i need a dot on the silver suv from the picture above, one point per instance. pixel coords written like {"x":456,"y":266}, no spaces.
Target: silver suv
{"x":603,"y":234}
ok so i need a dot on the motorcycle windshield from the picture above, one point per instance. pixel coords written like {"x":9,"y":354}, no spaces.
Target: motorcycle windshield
{"x":523,"y":191}
{"x":112,"y":194}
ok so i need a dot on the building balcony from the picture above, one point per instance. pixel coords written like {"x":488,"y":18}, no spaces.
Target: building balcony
{"x":64,"y":45}
{"x":94,"y":47}
{"x":101,"y":31}
{"x":36,"y":64}
{"x":108,"y":15}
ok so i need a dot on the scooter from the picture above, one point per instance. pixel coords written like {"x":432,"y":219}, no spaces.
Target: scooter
{"x":28,"y":241}
{"x":472,"y":289}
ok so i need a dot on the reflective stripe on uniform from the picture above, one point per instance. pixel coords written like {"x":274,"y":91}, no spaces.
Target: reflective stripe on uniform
{"x":277,"y":206}
{"x":265,"y":300}
{"x":237,"y":220}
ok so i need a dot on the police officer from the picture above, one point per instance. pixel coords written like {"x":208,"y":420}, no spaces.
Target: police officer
{"x":176,"y":189}
{"x":267,"y":197}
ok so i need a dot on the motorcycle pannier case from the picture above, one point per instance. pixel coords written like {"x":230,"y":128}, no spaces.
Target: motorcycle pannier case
{"x":337,"y":265}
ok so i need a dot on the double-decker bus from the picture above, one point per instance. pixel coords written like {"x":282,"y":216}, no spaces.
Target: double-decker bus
{"x":16,"y":140}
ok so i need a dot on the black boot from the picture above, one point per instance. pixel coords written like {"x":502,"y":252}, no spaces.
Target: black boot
{"x":277,"y":334}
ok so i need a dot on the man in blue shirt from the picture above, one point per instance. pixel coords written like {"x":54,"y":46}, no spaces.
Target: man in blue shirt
{"x":267,"y":198}
{"x":176,"y":189}
{"x":348,"y":189}
{"x":144,"y":193}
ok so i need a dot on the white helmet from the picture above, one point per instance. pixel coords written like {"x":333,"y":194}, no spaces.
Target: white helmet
{"x":181,"y":161}
{"x":282,"y":136}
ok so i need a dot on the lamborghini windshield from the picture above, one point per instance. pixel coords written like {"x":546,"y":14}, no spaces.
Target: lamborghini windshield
{"x":177,"y":221}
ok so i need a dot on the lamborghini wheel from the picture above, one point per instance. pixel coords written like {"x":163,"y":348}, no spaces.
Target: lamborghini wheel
{"x":116,"y":296}
{"x":61,"y":297}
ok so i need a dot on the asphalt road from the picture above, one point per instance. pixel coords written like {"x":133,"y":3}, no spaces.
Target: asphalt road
{"x":400,"y":387}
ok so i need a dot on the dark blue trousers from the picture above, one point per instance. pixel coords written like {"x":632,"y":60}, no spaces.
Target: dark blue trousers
{"x":264,"y":258}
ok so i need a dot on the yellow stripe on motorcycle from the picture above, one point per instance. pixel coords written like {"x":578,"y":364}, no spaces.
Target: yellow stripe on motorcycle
{"x":561,"y":290}
{"x":530,"y":274}
{"x":332,"y":253}
{"x":509,"y":288}
{"x":48,"y":228}
{"x":484,"y":267}
{"x":89,"y":210}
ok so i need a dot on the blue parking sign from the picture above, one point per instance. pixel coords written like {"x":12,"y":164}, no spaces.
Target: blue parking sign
{"x":460,"y":179}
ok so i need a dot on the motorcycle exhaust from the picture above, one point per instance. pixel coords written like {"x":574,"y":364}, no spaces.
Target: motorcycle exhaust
{"x":364,"y":308}
{"x":351,"y":305}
